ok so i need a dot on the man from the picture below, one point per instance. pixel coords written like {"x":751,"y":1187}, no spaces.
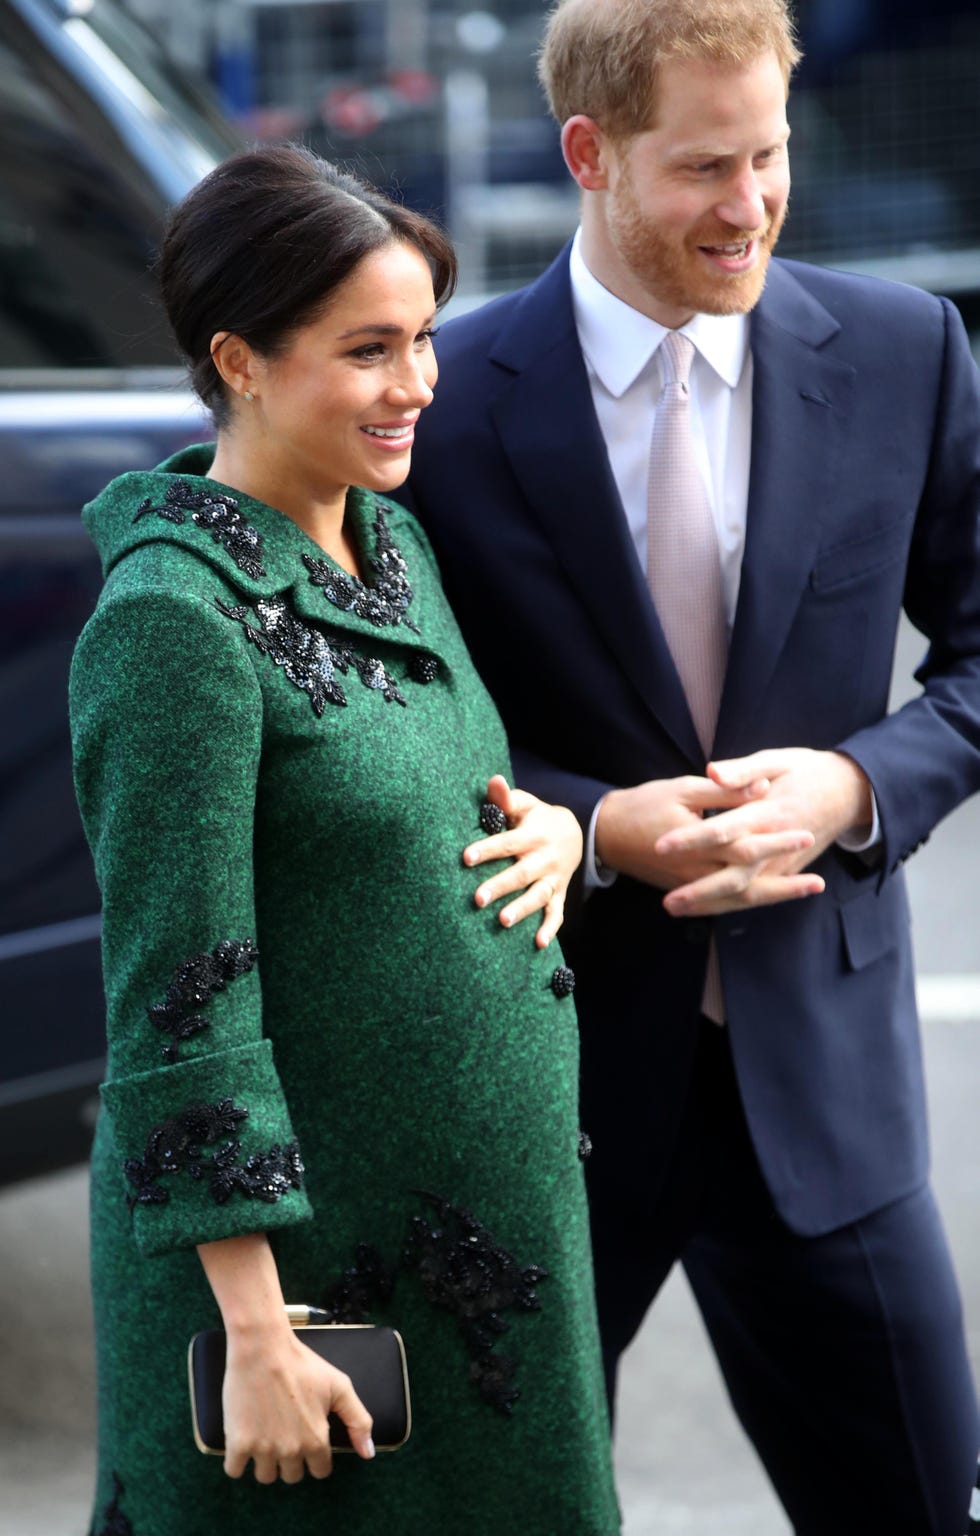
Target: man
{"x":679,"y":492}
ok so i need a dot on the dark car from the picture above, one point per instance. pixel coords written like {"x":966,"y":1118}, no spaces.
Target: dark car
{"x":99,"y":136}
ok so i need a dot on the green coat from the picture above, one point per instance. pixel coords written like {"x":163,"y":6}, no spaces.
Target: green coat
{"x":312,"y":1030}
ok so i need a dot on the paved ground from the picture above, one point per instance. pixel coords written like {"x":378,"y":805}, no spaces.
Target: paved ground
{"x":683,"y":1464}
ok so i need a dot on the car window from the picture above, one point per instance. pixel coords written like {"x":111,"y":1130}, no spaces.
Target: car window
{"x":76,"y":234}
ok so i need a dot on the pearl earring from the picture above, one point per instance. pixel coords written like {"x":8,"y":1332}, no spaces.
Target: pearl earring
{"x":249,"y":396}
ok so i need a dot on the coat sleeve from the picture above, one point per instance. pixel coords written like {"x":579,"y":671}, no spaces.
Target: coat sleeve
{"x":167,"y":728}
{"x":924,"y":760}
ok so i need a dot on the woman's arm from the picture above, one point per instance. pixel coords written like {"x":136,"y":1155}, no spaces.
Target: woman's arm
{"x":277,"y":1393}
{"x":545,"y":843}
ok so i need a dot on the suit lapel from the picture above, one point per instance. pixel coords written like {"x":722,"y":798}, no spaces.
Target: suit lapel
{"x":547,"y":426}
{"x":800,"y":408}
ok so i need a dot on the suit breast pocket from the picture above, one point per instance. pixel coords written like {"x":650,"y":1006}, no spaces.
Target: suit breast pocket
{"x":857,"y":559}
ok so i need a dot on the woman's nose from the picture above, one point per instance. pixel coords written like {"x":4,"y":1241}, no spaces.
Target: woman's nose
{"x":411,"y":385}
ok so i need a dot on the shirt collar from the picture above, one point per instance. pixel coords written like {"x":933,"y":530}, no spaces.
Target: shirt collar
{"x":618,"y":341}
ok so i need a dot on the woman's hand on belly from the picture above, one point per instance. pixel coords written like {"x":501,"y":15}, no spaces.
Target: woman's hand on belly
{"x":545,"y":843}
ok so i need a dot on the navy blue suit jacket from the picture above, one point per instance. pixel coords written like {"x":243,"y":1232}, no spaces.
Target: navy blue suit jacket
{"x":864,"y":494}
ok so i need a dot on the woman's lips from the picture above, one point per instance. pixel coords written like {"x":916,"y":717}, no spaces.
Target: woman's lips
{"x":393,"y":436}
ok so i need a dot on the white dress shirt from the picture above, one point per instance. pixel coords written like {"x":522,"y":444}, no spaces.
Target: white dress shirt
{"x":621,"y":351}
{"x":621,"y":348}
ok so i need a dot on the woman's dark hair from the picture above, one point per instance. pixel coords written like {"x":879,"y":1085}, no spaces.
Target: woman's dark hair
{"x":258,"y":247}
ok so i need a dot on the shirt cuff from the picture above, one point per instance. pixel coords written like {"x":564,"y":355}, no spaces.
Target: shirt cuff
{"x":852,"y":844}
{"x":595,"y":875}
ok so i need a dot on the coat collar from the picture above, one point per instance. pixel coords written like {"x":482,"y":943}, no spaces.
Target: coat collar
{"x":547,"y":425}
{"x":261,"y":552}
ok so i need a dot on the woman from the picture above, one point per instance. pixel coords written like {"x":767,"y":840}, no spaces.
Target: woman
{"x":282,"y":752}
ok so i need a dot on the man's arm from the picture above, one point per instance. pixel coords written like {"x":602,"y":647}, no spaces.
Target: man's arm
{"x":922,"y":761}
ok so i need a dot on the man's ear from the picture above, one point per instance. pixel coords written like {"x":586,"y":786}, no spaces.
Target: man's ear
{"x":235,"y":361}
{"x":583,"y":144}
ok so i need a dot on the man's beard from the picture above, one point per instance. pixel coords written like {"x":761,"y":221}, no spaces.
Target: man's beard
{"x":675,"y":274}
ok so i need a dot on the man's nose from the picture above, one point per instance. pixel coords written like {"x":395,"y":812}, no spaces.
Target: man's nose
{"x":743,"y":206}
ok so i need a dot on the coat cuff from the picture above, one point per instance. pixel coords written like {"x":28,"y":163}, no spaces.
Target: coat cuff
{"x":207,"y":1149}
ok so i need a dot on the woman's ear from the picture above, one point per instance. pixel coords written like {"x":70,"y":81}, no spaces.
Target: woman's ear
{"x":583,"y":144}
{"x":236,"y":363}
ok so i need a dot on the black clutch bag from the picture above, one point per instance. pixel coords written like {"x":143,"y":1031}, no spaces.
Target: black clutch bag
{"x":373,"y":1358}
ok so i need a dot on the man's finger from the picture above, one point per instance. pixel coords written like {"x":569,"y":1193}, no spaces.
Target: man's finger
{"x":706,"y":795}
{"x":741,"y":772}
{"x":727,"y":835}
{"x":760,"y":847}
{"x":719,"y":893}
{"x":719,"y":832}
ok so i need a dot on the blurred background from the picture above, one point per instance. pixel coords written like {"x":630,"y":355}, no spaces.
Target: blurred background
{"x":109,"y":112}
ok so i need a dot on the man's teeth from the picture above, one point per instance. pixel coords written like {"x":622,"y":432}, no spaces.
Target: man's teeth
{"x":388,"y":431}
{"x":730,"y":250}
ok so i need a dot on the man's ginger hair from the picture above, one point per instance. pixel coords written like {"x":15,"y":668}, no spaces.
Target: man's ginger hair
{"x":601,"y":57}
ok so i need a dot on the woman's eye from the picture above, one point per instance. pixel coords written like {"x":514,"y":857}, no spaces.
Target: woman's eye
{"x":424,"y":338}
{"x":370,"y":352}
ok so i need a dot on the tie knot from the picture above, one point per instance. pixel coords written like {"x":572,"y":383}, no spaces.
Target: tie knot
{"x":677,"y":352}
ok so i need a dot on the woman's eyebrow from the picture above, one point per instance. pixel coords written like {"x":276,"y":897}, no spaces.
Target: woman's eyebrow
{"x":377,"y":330}
{"x":371,"y":330}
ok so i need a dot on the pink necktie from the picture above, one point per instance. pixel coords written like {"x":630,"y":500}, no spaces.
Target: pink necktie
{"x":684,"y":570}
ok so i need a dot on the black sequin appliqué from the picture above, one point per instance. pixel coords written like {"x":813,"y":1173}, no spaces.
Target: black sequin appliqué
{"x":177,"y":1146}
{"x":362,"y":1288}
{"x":193,"y":985}
{"x":310,"y":659}
{"x":386,"y":598}
{"x":464,"y":1270}
{"x":114,"y":1522}
{"x":217,"y":515}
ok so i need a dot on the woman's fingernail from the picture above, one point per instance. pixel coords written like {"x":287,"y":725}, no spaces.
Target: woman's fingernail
{"x":369,"y":1448}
